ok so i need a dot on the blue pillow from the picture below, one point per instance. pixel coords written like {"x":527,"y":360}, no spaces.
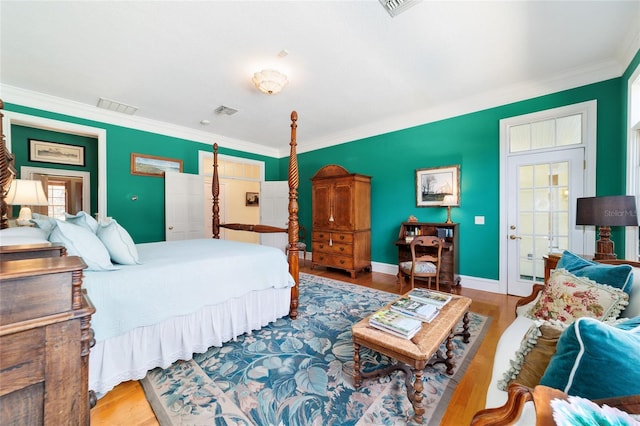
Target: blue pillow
{"x":82,"y":219}
{"x":80,"y":241}
{"x":619,"y":276}
{"x":43,"y":222}
{"x":595,"y":360}
{"x":118,"y":242}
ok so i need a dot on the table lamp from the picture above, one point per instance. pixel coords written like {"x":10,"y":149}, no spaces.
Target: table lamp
{"x":26,"y":193}
{"x":448,"y":201}
{"x":616,"y":210}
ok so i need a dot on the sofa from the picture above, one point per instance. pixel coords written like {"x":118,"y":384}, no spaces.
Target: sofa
{"x":526,"y":350}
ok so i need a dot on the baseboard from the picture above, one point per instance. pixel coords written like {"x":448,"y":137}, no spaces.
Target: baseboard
{"x":484,"y":284}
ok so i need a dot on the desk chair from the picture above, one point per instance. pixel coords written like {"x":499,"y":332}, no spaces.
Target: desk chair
{"x":302,"y":243}
{"x":423,"y":263}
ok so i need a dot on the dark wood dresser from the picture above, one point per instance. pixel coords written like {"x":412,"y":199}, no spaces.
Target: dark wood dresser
{"x":45,"y":338}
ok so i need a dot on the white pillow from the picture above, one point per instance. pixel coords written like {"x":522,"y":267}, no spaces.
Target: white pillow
{"x":22,"y":235}
{"x":118,"y":242}
{"x":82,"y":242}
{"x":82,"y":219}
{"x":45,"y":223}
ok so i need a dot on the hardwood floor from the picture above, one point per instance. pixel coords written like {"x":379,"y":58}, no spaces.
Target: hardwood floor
{"x":127,"y":405}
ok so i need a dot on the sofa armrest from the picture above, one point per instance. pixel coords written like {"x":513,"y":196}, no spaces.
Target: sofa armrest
{"x":535,"y":290}
{"x":509,"y":412}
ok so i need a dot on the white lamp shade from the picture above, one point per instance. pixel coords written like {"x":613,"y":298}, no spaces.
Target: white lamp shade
{"x":449,"y":200}
{"x":269,"y":81}
{"x":26,"y":193}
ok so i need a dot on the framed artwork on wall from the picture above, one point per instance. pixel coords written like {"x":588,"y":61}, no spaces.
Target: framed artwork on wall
{"x":436,"y":183}
{"x":150,"y":165}
{"x":253,"y":199}
{"x":56,"y":153}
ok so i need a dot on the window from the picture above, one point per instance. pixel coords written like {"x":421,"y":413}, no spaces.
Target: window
{"x":57,"y":197}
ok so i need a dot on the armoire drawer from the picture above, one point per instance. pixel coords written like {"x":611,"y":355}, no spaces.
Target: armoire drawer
{"x":331,"y":260}
{"x":335,"y":237}
{"x":339,"y":249}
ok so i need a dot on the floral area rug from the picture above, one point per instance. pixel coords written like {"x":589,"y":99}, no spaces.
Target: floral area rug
{"x":300,"y":372}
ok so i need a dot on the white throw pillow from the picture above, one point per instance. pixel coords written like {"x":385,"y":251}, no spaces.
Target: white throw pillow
{"x":80,"y":241}
{"x":118,"y":242}
{"x":83,"y":219}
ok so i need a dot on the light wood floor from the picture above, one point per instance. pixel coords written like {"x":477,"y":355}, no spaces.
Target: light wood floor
{"x":127,"y":405}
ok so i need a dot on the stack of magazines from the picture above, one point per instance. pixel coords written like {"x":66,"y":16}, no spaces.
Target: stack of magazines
{"x":427,"y":296}
{"x":395,"y":323}
{"x":422,"y":311}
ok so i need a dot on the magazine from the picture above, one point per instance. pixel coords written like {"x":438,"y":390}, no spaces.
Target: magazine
{"x":395,"y":333}
{"x":397,"y":322}
{"x":423,"y":311}
{"x":428,"y":296}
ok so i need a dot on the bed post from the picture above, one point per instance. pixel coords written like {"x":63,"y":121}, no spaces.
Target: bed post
{"x":294,"y":268}
{"x":215,"y":191}
{"x":6,"y":173}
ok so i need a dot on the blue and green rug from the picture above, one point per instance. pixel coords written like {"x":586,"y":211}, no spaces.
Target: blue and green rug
{"x":300,"y":372}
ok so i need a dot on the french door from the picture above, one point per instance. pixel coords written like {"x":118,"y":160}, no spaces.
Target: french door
{"x":542,"y":189}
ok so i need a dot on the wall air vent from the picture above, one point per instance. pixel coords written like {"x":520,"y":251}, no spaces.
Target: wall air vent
{"x":116,"y":106}
{"x":396,"y":7}
{"x":225,"y":110}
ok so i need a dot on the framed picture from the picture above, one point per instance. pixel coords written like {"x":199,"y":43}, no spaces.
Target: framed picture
{"x":433,"y":184}
{"x":57,"y":153}
{"x":150,"y":165}
{"x":252,"y":199}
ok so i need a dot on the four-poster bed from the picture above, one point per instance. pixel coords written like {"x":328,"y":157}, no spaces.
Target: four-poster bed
{"x":186,"y":296}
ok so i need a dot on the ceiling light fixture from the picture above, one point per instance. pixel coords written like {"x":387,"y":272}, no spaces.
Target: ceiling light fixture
{"x":270,"y":81}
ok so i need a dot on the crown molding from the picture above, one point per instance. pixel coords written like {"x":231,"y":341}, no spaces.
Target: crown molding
{"x":31,"y":99}
{"x":566,"y":80}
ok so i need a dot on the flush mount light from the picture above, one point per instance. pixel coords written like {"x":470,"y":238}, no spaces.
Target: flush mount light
{"x":269,"y":81}
{"x":395,"y":7}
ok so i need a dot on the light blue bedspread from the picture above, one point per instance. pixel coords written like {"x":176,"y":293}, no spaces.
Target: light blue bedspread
{"x":178,"y":278}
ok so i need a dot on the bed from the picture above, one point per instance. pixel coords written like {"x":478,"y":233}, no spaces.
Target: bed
{"x":148,"y":315}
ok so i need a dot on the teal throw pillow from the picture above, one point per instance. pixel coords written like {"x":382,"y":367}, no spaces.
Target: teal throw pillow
{"x":618,"y":276}
{"x":596,"y":360}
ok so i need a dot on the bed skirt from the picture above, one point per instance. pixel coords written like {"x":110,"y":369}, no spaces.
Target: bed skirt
{"x":131,"y":355}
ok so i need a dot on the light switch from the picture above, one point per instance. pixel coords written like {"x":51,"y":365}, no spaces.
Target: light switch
{"x":479,"y":220}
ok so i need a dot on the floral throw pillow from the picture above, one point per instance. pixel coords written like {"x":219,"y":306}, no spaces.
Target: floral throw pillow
{"x":566,"y":298}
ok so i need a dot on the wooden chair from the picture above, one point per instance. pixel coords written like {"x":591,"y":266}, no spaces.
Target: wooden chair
{"x":425,"y":262}
{"x":302,"y":243}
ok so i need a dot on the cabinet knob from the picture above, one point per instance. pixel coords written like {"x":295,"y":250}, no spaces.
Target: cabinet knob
{"x":321,"y":246}
{"x":341,"y":248}
{"x":342,"y":237}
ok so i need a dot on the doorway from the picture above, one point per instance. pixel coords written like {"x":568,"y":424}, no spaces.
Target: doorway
{"x":67,"y":190}
{"x":548,"y":161}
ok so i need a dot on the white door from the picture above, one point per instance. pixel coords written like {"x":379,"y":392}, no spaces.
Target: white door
{"x":274,"y":211}
{"x":542,"y":191}
{"x":184,"y":209}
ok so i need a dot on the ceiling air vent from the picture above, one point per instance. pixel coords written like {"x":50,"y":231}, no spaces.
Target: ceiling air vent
{"x":396,"y":7}
{"x":116,"y":106}
{"x":225,"y":110}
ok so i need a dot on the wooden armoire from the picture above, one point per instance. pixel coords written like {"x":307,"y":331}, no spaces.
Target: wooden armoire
{"x":341,"y":220}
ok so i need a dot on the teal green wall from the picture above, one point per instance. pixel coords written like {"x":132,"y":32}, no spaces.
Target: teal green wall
{"x":20,"y":136}
{"x":472,"y":141}
{"x":144,"y":219}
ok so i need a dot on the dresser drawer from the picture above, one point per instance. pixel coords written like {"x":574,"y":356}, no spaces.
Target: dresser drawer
{"x":331,"y":260}
{"x":335,"y":248}
{"x":336,"y":237}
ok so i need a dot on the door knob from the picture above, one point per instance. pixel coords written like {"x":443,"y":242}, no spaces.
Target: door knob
{"x":514,"y":237}
{"x":170,"y":228}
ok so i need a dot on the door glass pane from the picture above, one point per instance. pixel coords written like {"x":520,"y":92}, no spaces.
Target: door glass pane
{"x":544,"y":221}
{"x":542,"y":134}
{"x":520,"y":138}
{"x":569,"y":130}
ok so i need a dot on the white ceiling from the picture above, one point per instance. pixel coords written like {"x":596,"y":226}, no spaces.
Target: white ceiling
{"x":354,"y":71}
